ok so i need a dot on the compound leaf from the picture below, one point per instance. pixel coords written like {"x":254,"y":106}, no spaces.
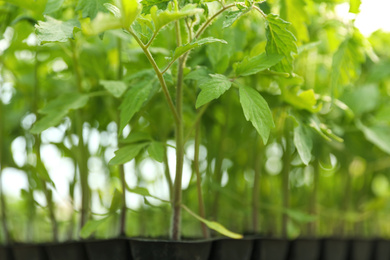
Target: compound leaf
{"x":257,"y":63}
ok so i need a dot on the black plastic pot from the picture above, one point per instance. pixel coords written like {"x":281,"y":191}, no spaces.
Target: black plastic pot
{"x":28,"y":252}
{"x":170,"y":250}
{"x":361,"y":250}
{"x":305,"y":249}
{"x":232,"y":249}
{"x":334,"y":249}
{"x":270,"y":249}
{"x":67,"y":251}
{"x":5,"y":253}
{"x":117,"y":249}
{"x":381,"y":250}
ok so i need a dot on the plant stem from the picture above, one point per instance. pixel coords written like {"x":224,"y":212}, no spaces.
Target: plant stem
{"x":196,"y":121}
{"x":208,"y":22}
{"x":199,"y":181}
{"x":177,"y":189}
{"x":256,"y":186}
{"x":122,"y":225}
{"x":285,"y":174}
{"x":37,"y":148}
{"x":168,"y":175}
{"x":312,"y":226}
{"x":218,"y":166}
{"x":82,"y":158}
{"x":159,"y":76}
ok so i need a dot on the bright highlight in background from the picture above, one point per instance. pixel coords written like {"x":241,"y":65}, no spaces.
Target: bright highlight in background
{"x":374,"y":15}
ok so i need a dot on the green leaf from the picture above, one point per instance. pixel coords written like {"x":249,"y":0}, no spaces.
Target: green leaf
{"x":91,"y":226}
{"x":300,"y":216}
{"x":184,"y":48}
{"x":66,"y":102}
{"x":133,"y":101}
{"x":53,"y":6}
{"x":140,"y":191}
{"x":137,"y":137}
{"x":127,"y":153}
{"x":304,"y":100}
{"x":162,"y":18}
{"x":115,"y":87}
{"x":42,"y":173}
{"x":54,"y":30}
{"x":102,"y":22}
{"x":212,"y":89}
{"x":308,"y":46}
{"x":147,"y":5}
{"x":199,"y":74}
{"x":90,"y":8}
{"x":130,"y":11}
{"x":280,"y":41}
{"x":214,"y":225}
{"x":116,"y":202}
{"x":256,"y":111}
{"x":47,"y":121}
{"x":353,"y":99}
{"x":257,"y":63}
{"x":113,"y":9}
{"x":303,"y":143}
{"x":233,"y":16}
{"x":379,"y":135}
{"x":144,"y":192}
{"x":156,"y":150}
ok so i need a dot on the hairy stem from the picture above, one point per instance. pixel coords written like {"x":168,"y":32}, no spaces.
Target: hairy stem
{"x":159,"y":76}
{"x":122,"y":225}
{"x":177,"y":189}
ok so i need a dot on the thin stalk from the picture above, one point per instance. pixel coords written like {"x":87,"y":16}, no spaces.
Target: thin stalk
{"x":285,"y":174}
{"x":4,"y":219}
{"x":37,"y":148}
{"x":196,"y":121}
{"x":256,"y":186}
{"x":345,"y":206}
{"x":218,"y":169}
{"x":83,"y":170}
{"x":151,"y":39}
{"x":159,"y":76}
{"x":71,"y":191}
{"x":208,"y":22}
{"x":312,"y":226}
{"x":199,"y":181}
{"x":122,"y":225}
{"x":82,"y":158}
{"x":168,"y":175}
{"x":177,"y":189}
